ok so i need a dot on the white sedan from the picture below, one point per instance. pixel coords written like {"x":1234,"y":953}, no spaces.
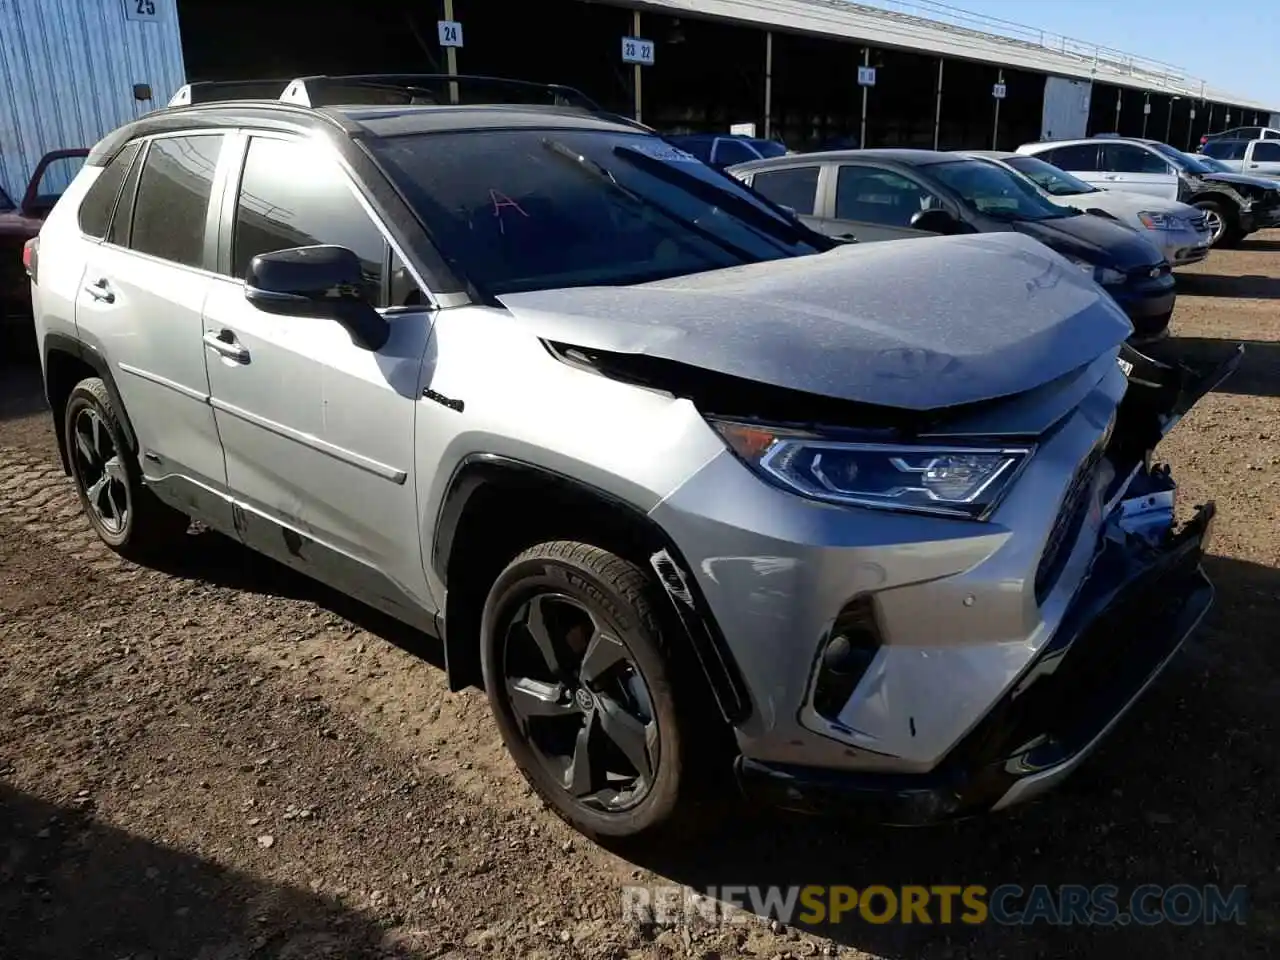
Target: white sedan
{"x":1180,"y":230}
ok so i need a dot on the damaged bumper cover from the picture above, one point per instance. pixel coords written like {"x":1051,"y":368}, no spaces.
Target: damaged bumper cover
{"x":1132,"y":614}
{"x":1143,"y":595}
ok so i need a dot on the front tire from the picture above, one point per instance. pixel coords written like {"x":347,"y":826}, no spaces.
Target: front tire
{"x":126,"y":516}
{"x":1224,"y":224}
{"x":580,"y":679}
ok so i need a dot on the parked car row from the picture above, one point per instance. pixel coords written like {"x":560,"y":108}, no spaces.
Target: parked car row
{"x":690,"y":486}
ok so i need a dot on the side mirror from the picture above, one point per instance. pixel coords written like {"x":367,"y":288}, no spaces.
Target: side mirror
{"x":935,"y":220}
{"x":324,"y":282}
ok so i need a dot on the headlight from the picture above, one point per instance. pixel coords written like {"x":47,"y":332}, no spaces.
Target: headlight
{"x":1103,"y":275}
{"x":953,"y":481}
{"x":1162,"y":221}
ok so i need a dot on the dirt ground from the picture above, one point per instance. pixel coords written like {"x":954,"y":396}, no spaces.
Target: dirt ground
{"x":220,"y":760}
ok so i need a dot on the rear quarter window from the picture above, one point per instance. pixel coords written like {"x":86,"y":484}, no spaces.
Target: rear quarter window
{"x":100,"y":201}
{"x":173,"y":198}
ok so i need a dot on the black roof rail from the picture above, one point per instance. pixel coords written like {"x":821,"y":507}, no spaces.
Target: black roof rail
{"x":213,"y":91}
{"x":430,"y":88}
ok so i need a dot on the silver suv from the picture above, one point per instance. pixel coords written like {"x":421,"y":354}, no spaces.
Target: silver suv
{"x":685,"y":486}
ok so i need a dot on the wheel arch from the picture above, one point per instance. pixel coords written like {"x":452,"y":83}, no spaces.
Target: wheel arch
{"x":494,"y":506}
{"x":67,"y":361}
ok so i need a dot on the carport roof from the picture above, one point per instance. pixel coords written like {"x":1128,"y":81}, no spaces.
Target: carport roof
{"x":1023,"y":48}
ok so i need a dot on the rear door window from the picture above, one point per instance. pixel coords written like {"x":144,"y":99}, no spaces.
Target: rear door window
{"x":172,"y":206}
{"x":1078,"y":157}
{"x":100,"y":200}
{"x":794,"y":187}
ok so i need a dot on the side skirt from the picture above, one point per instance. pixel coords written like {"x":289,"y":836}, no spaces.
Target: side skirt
{"x":295,"y":550}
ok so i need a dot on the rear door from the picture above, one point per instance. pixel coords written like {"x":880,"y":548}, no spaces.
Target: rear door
{"x":871,"y":203}
{"x":318,"y":432}
{"x":1135,"y":169}
{"x":141,"y":299}
{"x":1263,"y":157}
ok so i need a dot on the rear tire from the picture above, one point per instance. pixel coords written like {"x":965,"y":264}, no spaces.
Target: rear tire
{"x":594,"y":725}
{"x":126,"y":516}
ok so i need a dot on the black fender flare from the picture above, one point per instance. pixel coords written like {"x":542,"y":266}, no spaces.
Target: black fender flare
{"x":58,"y":343}
{"x":477,"y":471}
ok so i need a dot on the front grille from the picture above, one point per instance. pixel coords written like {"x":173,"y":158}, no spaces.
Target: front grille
{"x":1075,"y":505}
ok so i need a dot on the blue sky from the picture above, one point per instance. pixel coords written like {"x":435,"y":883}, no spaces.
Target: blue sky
{"x":1192,"y":34}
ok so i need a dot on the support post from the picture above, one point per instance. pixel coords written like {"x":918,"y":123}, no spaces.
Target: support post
{"x":1119,"y":99}
{"x":862,"y":128}
{"x":635,"y":32}
{"x":937,"y":109}
{"x":768,"y":85}
{"x":995,"y":129}
{"x":1146,"y":112}
{"x":451,"y":56}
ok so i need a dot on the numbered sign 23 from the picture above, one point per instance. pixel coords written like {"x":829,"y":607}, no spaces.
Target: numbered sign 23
{"x":636,"y":50}
{"x":450,"y":33}
{"x":144,"y":9}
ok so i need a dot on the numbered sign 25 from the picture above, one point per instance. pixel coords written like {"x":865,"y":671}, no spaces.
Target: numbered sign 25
{"x":637,"y":50}
{"x":144,"y":9}
{"x":450,"y":33}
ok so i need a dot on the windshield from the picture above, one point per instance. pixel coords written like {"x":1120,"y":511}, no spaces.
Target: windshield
{"x":1181,"y":160}
{"x":997,"y":192}
{"x":537,"y":209}
{"x":1055,"y":182}
{"x":1214,"y":164}
{"x":770,"y":148}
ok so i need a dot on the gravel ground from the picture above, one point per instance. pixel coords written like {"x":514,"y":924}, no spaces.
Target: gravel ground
{"x":222,"y":760}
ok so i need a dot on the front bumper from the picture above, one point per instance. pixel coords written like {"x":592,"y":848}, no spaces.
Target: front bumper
{"x":1137,"y":606}
{"x":1184,"y":247}
{"x":1148,"y":301}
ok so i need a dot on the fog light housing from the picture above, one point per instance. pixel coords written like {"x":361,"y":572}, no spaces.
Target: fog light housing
{"x":844,"y":657}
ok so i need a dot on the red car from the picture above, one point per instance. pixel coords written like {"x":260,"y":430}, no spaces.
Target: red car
{"x":20,"y":223}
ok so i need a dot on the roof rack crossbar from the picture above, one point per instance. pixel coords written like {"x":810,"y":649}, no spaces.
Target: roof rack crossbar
{"x":212,"y":91}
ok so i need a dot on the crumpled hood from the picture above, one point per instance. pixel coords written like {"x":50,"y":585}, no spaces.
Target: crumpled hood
{"x":918,"y":325}
{"x":1239,"y":180}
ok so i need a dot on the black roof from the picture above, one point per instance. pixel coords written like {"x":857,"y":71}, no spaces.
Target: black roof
{"x":209,"y":105}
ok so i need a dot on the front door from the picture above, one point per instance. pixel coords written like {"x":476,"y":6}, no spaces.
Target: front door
{"x":1263,"y":158}
{"x":1135,"y":169}
{"x":318,"y":432}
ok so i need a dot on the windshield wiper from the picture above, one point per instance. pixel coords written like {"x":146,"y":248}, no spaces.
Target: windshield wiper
{"x":601,"y":174}
{"x":775,"y":228}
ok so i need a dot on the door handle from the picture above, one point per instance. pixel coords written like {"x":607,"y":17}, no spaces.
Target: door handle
{"x":1112,"y":176}
{"x":100,"y":290}
{"x":225,"y":343}
{"x":1253,"y":165}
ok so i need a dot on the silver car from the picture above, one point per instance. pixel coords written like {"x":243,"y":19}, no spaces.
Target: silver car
{"x":688,"y":488}
{"x":1179,"y":230}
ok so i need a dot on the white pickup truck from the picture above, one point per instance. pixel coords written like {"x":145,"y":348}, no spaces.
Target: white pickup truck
{"x":1261,"y":157}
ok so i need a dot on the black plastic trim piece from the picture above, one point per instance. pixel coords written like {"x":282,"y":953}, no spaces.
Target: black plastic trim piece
{"x":477,"y":470}
{"x":60,"y":343}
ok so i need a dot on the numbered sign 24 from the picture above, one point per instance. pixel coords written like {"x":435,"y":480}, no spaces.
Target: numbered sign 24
{"x":637,"y":50}
{"x":450,"y":33}
{"x":144,"y":9}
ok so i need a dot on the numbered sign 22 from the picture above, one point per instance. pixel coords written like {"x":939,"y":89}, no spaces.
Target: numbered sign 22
{"x":144,"y":9}
{"x":637,"y":50}
{"x":450,"y":33}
